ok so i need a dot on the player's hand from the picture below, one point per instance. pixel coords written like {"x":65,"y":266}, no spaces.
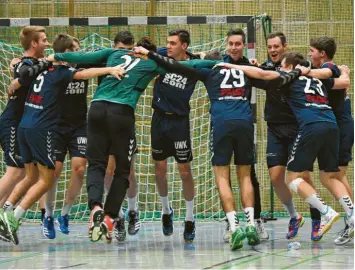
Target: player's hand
{"x":221,"y":64}
{"x":118,"y":71}
{"x":141,"y":50}
{"x":14,"y":62}
{"x":202,"y":55}
{"x":14,"y":85}
{"x":344,"y":69}
{"x":254,"y":62}
{"x":50,"y":58}
{"x":304,"y":70}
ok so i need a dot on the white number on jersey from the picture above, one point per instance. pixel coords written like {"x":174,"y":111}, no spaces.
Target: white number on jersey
{"x":308,"y":90}
{"x":39,"y":82}
{"x":238,"y":75}
{"x":128,"y":65}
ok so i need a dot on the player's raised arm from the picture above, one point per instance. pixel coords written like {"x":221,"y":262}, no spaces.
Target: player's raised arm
{"x":96,"y":57}
{"x":89,"y":73}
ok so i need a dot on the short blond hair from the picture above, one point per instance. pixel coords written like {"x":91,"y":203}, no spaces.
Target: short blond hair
{"x":76,"y":40}
{"x":29,"y":34}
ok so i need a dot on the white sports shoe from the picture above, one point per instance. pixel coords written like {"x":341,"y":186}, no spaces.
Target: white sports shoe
{"x":227,"y":233}
{"x":327,"y":221}
{"x":263,"y":234}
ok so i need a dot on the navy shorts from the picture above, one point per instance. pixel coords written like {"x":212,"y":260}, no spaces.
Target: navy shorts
{"x":9,"y":144}
{"x":232,"y":137}
{"x":280,"y":139}
{"x":72,"y":140}
{"x":170,"y":137}
{"x":346,"y":142}
{"x":316,"y":140}
{"x":37,"y":146}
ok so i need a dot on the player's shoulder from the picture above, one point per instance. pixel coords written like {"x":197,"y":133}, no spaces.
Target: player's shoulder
{"x":269,"y":65}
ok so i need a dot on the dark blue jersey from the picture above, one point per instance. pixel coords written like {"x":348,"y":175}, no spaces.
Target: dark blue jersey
{"x":25,"y":71}
{"x":338,"y":99}
{"x":276,"y":109}
{"x":41,"y":106}
{"x":172,"y":92}
{"x":308,"y":99}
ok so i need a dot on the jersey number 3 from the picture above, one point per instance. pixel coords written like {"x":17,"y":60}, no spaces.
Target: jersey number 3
{"x":309,"y":90}
{"x":39,"y":82}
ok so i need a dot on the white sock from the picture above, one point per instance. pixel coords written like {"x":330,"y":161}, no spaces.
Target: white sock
{"x":66,"y":209}
{"x":121,"y":214}
{"x":290,"y":208}
{"x":233,"y":220}
{"x":19,"y":212}
{"x":132,"y":203}
{"x":165,"y":205}
{"x":318,"y":203}
{"x":249,"y":214}
{"x":8,"y":206}
{"x":347,"y":204}
{"x":189,"y":210}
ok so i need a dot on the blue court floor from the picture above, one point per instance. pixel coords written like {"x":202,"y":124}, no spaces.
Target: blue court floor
{"x":151,"y":250}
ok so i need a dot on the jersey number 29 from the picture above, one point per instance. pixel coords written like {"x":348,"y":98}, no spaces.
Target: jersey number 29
{"x":238,"y":78}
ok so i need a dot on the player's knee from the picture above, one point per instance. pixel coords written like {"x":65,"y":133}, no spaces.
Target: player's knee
{"x":80,"y":171}
{"x":110,"y":173}
{"x":293,"y":185}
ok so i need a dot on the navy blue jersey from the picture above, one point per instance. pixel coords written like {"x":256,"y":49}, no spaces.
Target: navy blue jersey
{"x":41,"y":106}
{"x":276,"y":108}
{"x":172,"y":92}
{"x":308,"y":99}
{"x":15,"y":106}
{"x":228,"y":90}
{"x":338,"y":99}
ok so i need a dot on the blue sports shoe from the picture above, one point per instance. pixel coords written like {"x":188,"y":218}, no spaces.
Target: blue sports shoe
{"x":315,"y":228}
{"x":63,"y":222}
{"x":189,"y":232}
{"x":294,"y":225}
{"x":167,"y":220}
{"x":48,"y":229}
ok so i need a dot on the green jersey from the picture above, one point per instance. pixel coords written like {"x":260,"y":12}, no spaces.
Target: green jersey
{"x":125,"y":91}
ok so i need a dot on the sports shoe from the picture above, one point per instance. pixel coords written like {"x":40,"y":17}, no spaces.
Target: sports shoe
{"x":63,"y":222}
{"x":96,"y":217}
{"x":120,"y":230}
{"x":107,"y":226}
{"x":236,"y":241}
{"x":4,"y":235}
{"x":11,"y":225}
{"x":327,"y":221}
{"x":189,"y":231}
{"x":252,"y":235}
{"x":350,"y":222}
{"x":227,"y":233}
{"x":260,"y":229}
{"x":167,"y":220}
{"x":315,"y":230}
{"x":134,"y":223}
{"x":48,"y":229}
{"x":294,"y":225}
{"x":343,"y":236}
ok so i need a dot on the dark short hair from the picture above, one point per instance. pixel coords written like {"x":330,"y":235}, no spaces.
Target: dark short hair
{"x":214,"y":55}
{"x":294,"y":58}
{"x":146,"y":43}
{"x":184,"y":35}
{"x":326,"y":44}
{"x":236,"y":31}
{"x":280,"y":35}
{"x":62,"y":42}
{"x":125,"y":37}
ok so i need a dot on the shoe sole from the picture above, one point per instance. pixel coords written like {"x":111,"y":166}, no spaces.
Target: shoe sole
{"x":330,"y":224}
{"x":351,"y":234}
{"x":343,"y":242}
{"x":237,"y":240}
{"x":95,"y":232}
{"x":105,"y":232}
{"x":301,"y":225}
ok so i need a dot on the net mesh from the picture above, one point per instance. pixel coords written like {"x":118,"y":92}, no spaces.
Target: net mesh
{"x":299,"y":20}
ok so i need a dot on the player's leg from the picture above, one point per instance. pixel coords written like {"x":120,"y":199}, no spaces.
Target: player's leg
{"x":160,"y":152}
{"x":180,"y":134}
{"x":10,"y":179}
{"x":120,"y":125}
{"x":42,"y":206}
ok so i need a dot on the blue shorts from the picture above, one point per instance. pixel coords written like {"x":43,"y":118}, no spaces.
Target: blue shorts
{"x":316,"y":140}
{"x":70,"y":139}
{"x":37,"y":146}
{"x":9,"y":144}
{"x":346,"y":142}
{"x":170,"y":137}
{"x":232,"y":137}
{"x":280,"y":139}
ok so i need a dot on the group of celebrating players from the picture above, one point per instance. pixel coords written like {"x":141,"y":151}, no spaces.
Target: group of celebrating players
{"x":307,"y":110}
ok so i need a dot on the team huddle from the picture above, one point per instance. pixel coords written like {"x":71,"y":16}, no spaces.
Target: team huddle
{"x":307,"y":111}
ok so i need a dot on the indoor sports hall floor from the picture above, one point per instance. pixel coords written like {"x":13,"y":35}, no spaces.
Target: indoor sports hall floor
{"x":150,"y":249}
